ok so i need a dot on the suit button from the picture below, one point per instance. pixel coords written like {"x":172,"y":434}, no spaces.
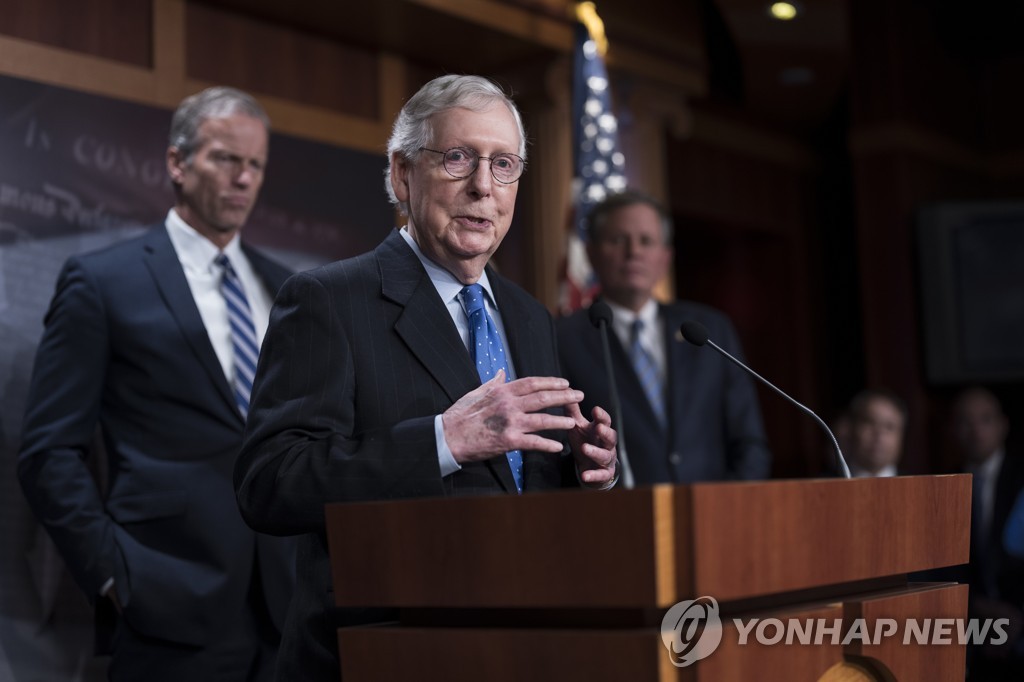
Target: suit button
{"x":674,"y":458}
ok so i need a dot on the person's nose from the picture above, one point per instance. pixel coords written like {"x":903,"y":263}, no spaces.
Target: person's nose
{"x":632,"y":247}
{"x":481,"y":182}
{"x":245,"y":177}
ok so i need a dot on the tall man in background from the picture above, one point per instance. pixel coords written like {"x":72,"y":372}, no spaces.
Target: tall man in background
{"x":996,"y":577}
{"x":415,"y":369}
{"x":688,"y":414}
{"x":153,"y":342}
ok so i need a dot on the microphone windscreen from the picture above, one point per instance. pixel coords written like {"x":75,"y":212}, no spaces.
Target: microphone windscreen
{"x":694,"y":332}
{"x":600,"y":311}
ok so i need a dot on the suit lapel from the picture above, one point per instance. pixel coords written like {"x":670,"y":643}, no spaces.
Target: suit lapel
{"x":679,"y":359}
{"x":424,"y":324}
{"x":628,"y":382}
{"x":164,"y":266}
{"x":426,"y":327}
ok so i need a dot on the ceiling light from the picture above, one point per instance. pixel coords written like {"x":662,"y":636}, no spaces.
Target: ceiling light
{"x":784,"y":11}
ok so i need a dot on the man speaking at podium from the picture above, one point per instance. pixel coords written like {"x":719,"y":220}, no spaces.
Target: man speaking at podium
{"x":688,"y":414}
{"x":413,"y":370}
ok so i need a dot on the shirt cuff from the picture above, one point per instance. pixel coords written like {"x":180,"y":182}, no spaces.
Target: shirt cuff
{"x":445,"y":458}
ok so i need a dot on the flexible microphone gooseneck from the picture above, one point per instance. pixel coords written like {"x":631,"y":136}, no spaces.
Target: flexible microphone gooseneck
{"x":601,"y":317}
{"x":697,"y":334}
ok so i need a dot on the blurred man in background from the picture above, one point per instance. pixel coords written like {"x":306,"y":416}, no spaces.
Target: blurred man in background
{"x":154,"y":342}
{"x":688,"y":413}
{"x":878,"y":420}
{"x":980,"y":429}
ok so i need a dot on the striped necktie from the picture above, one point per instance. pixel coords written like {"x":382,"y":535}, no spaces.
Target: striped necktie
{"x":246,"y":350}
{"x":647,"y":371}
{"x":489,"y":356}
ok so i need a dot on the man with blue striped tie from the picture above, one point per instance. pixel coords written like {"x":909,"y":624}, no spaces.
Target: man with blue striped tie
{"x":153,"y":342}
{"x":245,"y":346}
{"x":687,"y":416}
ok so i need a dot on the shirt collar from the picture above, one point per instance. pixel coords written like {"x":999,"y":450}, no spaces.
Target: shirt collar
{"x":194,"y":250}
{"x":885,"y":472}
{"x":448,"y":287}
{"x":623,"y":317}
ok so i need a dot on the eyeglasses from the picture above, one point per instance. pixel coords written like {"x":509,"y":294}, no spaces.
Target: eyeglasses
{"x":461,"y":162}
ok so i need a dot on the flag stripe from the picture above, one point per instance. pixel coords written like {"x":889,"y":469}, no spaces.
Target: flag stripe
{"x":599,"y":166}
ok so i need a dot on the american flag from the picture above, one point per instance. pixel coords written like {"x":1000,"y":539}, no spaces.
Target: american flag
{"x":597,"y":162}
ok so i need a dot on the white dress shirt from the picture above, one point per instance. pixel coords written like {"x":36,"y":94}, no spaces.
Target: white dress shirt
{"x":197,"y":254}
{"x":887,"y":471}
{"x":651,"y":337}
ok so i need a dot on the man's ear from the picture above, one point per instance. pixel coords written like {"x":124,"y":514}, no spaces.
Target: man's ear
{"x":175,"y":165}
{"x":400,"y":167}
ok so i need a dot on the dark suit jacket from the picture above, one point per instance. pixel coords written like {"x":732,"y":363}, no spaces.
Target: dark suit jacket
{"x":992,"y":572}
{"x":360,"y":357}
{"x":125,"y":349}
{"x":714,"y":431}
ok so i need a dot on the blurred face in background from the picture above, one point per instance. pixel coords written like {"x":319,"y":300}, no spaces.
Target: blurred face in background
{"x":629,"y":255}
{"x":876,"y":435}
{"x":979,"y":425}
{"x":217,"y":186}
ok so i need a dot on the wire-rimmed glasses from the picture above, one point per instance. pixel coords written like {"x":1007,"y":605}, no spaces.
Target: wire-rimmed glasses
{"x":461,"y":162}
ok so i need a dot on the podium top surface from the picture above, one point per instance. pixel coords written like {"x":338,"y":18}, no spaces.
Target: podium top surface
{"x":647,"y":547}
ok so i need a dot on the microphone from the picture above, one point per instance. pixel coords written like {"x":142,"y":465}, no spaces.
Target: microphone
{"x":697,"y":334}
{"x":601,"y":317}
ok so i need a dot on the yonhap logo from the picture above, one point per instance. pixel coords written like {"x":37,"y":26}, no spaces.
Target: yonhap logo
{"x":691,"y":630}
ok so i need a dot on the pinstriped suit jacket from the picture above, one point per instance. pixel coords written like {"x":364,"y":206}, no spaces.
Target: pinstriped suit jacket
{"x":360,"y":356}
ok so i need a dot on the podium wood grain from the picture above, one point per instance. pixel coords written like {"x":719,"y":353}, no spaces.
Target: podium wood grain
{"x":573,"y":585}
{"x":662,"y":544}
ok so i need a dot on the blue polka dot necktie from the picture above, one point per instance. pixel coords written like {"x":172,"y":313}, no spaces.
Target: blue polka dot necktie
{"x":647,"y":371}
{"x":489,"y":356}
{"x":245,"y":349}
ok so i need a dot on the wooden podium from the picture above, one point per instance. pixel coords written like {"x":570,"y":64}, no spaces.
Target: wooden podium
{"x":573,"y":585}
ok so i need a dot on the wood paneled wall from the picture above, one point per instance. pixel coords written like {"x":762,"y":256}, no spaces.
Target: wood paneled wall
{"x":923,"y":124}
{"x":742,"y":200}
{"x":119,"y":30}
{"x":160,"y":51}
{"x":329,"y":90}
{"x":920,"y":124}
{"x":322,"y":87}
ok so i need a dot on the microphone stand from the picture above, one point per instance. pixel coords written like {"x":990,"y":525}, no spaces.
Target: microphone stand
{"x":696,"y":334}
{"x":627,"y":471}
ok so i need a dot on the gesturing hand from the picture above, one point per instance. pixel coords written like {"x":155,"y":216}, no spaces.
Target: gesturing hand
{"x":498,"y":417}
{"x":593,"y":446}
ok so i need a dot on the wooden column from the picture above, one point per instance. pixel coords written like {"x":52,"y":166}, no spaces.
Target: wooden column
{"x":543,"y":94}
{"x":649,"y":114}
